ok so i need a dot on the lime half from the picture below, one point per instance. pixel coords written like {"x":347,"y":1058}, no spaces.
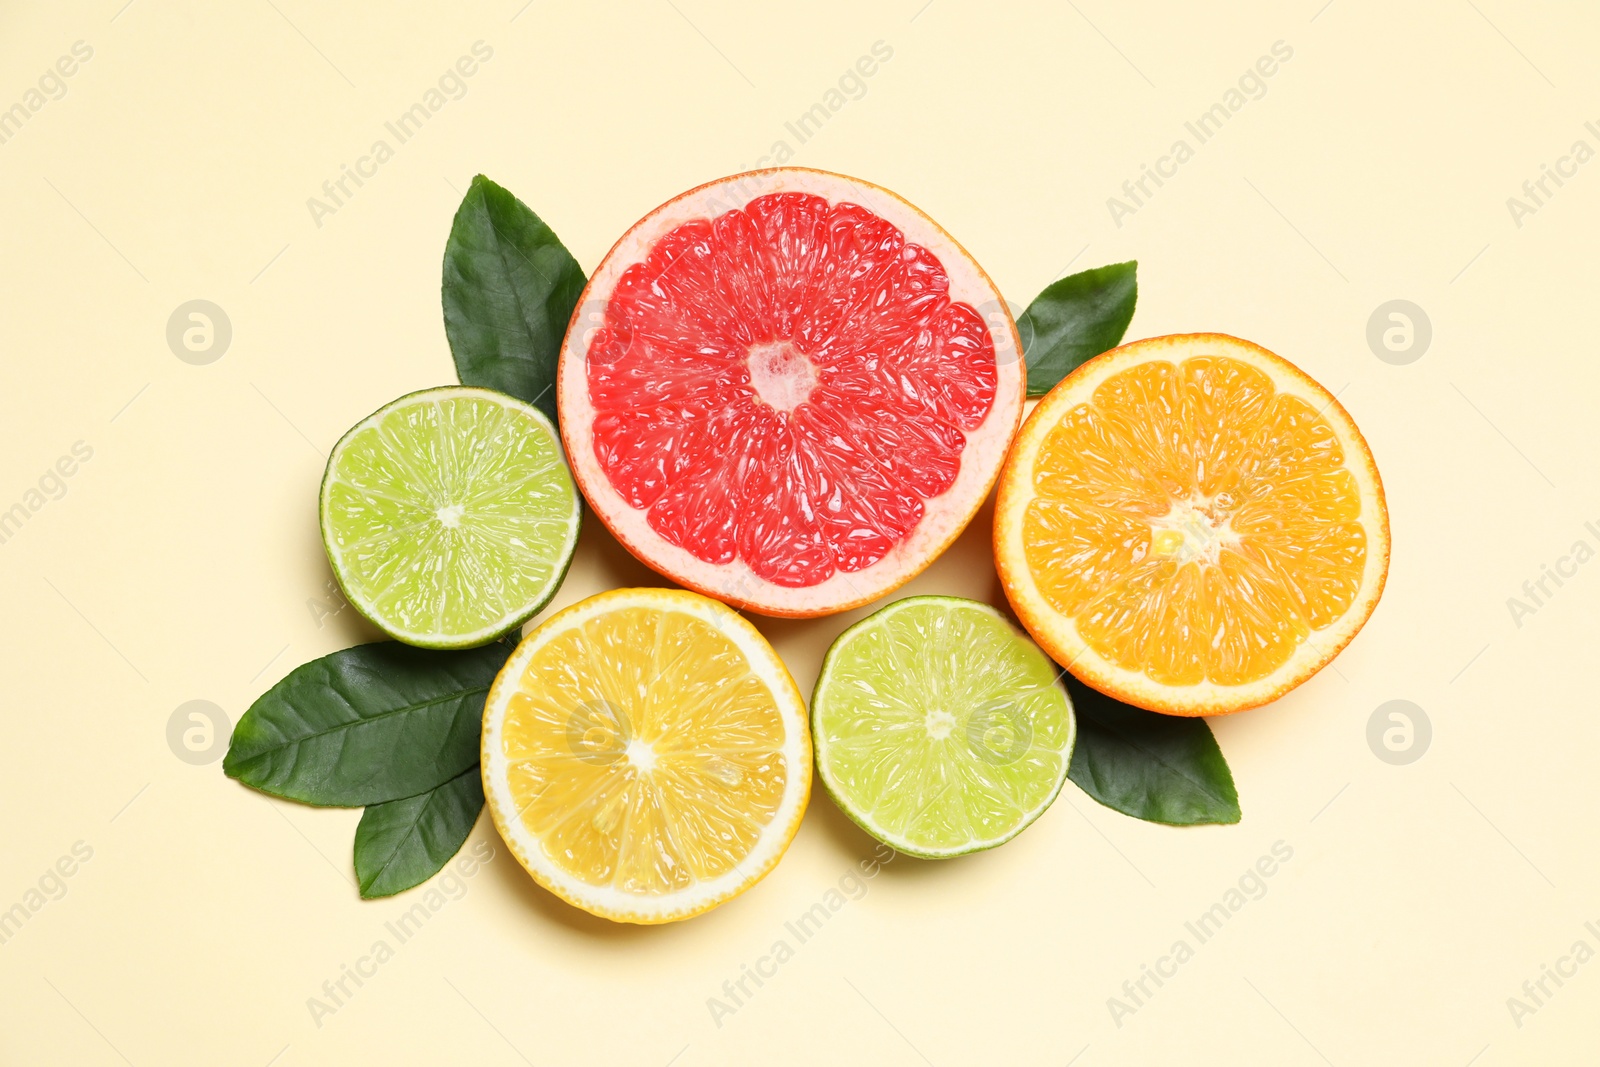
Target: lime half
{"x":939,"y":727}
{"x":449,"y":516}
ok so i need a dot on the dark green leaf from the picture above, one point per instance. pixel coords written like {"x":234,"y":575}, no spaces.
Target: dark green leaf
{"x":1076,"y":319}
{"x":404,"y":842}
{"x":1159,"y":768}
{"x":366,"y":725}
{"x":509,"y":289}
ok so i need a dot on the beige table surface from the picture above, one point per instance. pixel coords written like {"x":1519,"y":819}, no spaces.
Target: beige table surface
{"x":180,"y":560}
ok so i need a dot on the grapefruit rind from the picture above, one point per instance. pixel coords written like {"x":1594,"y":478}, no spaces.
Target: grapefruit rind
{"x":1058,"y":634}
{"x":605,"y":901}
{"x":945,"y":516}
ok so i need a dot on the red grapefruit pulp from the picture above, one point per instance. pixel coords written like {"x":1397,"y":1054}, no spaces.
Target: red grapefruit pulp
{"x":788,"y":389}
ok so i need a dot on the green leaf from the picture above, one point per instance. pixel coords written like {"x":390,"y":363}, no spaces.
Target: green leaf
{"x":1159,"y":768}
{"x":509,"y":289}
{"x":405,"y":842}
{"x":1076,"y":319}
{"x":366,"y":725}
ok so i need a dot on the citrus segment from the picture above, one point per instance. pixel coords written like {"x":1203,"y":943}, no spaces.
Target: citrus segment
{"x":1191,"y":524}
{"x":782,"y":389}
{"x":449,"y":516}
{"x":939,"y":728}
{"x":645,"y":754}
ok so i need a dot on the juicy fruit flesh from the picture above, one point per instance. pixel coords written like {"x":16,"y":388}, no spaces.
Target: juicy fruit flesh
{"x":1196,"y":523}
{"x":643,"y":751}
{"x":943,"y":726}
{"x":785,"y":384}
{"x":449,"y":514}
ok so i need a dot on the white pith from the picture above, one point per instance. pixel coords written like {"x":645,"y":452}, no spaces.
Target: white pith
{"x":944,"y":516}
{"x":1058,"y":634}
{"x":782,"y":377}
{"x":773,"y":839}
{"x":1192,"y":531}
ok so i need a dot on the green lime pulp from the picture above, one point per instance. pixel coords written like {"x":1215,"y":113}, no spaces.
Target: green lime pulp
{"x":939,"y":727}
{"x":450,"y":516}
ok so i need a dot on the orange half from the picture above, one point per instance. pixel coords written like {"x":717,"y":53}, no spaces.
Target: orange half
{"x":1191,"y":524}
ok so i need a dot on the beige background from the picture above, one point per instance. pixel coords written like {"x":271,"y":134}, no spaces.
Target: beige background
{"x":180,"y":561}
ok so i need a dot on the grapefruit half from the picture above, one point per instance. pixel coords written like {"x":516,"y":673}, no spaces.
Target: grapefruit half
{"x":789,"y":390}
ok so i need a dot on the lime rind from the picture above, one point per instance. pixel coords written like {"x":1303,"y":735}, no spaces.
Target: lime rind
{"x":941,"y":729}
{"x":449,"y":516}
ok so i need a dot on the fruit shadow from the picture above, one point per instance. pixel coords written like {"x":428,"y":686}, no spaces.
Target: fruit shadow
{"x":606,"y":564}
{"x":614,"y":567}
{"x":520,"y":886}
{"x":856,"y":845}
{"x":329,"y":608}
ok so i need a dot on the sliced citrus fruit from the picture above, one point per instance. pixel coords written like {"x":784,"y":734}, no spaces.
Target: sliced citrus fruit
{"x":788,"y":389}
{"x":645,"y":755}
{"x":1191,"y":525}
{"x":449,"y":516}
{"x":940,"y":728}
